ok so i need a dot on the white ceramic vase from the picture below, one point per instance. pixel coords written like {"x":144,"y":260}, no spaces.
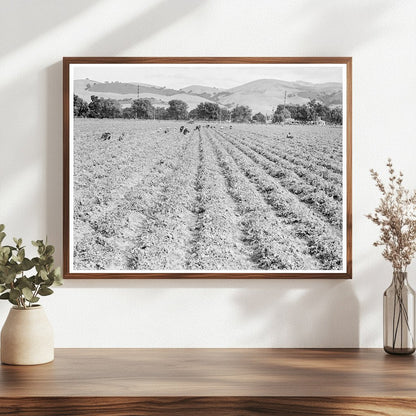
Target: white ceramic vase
{"x":27,"y":337}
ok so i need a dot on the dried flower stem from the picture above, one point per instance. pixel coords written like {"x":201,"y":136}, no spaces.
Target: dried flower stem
{"x":396,"y":217}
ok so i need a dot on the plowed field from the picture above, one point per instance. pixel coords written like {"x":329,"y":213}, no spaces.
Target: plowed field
{"x":245,"y":197}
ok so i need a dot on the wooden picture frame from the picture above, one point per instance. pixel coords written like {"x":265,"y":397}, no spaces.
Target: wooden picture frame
{"x":290,"y":168}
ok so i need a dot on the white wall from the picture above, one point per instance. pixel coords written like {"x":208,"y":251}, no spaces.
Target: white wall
{"x":380,"y":35}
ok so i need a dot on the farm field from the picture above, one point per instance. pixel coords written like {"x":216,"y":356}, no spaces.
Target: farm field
{"x":242,"y":198}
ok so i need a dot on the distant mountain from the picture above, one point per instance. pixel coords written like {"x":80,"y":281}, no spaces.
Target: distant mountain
{"x":264,"y":94}
{"x":260,"y":95}
{"x":125,"y":92}
{"x":203,"y":91}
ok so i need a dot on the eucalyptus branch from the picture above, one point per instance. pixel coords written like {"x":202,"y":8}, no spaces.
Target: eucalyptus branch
{"x":23,"y":280}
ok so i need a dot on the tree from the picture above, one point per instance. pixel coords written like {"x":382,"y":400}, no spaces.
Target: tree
{"x":304,"y":114}
{"x":128,"y":112}
{"x":110,"y":108}
{"x":208,"y":111}
{"x":241,"y":114}
{"x":142,"y":108}
{"x":225,"y":114}
{"x":103,"y":108}
{"x":178,"y":110}
{"x":335,"y":115}
{"x":259,"y":118}
{"x":80,"y":107}
{"x":193,"y":114}
{"x":94,"y":107}
{"x":161,"y":113}
{"x":281,"y":114}
{"x":313,"y":106}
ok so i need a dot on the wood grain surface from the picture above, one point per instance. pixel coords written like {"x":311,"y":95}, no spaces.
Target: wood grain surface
{"x":212,"y":381}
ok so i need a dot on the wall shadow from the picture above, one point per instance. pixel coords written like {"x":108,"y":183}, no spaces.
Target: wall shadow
{"x":279,"y":310}
{"x":41,"y":16}
{"x":301,"y":313}
{"x":337,"y":18}
{"x":137,"y":30}
{"x":155,"y":19}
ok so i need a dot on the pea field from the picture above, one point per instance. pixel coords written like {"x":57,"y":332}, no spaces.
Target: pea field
{"x":223,"y":197}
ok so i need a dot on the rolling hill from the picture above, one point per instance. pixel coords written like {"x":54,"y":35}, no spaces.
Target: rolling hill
{"x":260,"y":95}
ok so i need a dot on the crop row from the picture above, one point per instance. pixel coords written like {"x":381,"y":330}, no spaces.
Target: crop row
{"x":322,"y":154}
{"x":322,"y":179}
{"x":270,"y":238}
{"x":164,"y":234}
{"x":302,"y":164}
{"x":217,"y":242}
{"x":324,"y":241}
{"x":114,"y":186}
{"x":312,"y":195}
{"x":316,"y":138}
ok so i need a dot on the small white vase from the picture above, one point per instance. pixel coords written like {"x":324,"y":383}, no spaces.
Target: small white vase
{"x":27,"y":337}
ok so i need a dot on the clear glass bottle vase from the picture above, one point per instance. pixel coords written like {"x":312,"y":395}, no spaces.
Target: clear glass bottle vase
{"x":399,"y":316}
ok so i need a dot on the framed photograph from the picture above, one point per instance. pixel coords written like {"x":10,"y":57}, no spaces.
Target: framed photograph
{"x":207,"y":168}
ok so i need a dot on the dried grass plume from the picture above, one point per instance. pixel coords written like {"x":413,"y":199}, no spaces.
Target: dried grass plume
{"x":396,"y":217}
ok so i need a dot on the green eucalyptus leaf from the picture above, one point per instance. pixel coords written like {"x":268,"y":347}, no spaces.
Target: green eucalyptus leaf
{"x":38,"y":280}
{"x":43,"y":274}
{"x":9,"y":277}
{"x":4,"y":258}
{"x":24,"y":282}
{"x":26,"y":264}
{"x":5,"y":250}
{"x":45,"y":291}
{"x":49,"y":250}
{"x":13,"y":302}
{"x":48,"y":260}
{"x":27,"y":293}
{"x":21,"y":255}
{"x":14,"y":284}
{"x":58,"y":281}
{"x":15,"y":293}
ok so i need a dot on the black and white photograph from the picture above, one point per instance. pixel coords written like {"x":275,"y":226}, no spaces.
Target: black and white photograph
{"x":206,"y":168}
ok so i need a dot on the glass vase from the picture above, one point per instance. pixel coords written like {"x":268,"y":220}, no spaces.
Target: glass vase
{"x":399,"y":316}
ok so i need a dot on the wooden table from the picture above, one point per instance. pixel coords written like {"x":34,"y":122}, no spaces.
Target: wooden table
{"x":212,"y":382}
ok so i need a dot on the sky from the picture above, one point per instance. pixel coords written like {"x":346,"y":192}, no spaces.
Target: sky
{"x":210,"y":75}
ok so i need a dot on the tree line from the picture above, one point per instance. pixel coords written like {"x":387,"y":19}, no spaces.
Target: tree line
{"x":142,"y":108}
{"x":310,"y":112}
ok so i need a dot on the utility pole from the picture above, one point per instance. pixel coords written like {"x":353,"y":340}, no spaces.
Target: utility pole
{"x":138,"y":91}
{"x":284,"y":105}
